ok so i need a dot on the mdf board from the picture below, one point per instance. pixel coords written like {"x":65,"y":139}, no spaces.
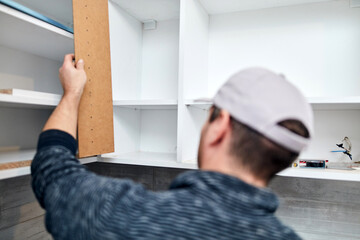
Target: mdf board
{"x":91,"y":37}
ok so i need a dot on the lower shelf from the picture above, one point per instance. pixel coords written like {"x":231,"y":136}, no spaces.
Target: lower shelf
{"x":146,"y":159}
{"x":17,"y":163}
{"x":328,"y":174}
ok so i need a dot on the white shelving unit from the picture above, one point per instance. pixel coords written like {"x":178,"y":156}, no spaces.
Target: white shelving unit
{"x":166,"y":54}
{"x":31,"y":52}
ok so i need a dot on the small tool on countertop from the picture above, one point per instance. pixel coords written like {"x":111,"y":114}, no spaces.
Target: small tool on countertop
{"x":346,"y":145}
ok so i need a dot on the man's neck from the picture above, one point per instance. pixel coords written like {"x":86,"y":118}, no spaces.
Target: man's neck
{"x":241,"y":174}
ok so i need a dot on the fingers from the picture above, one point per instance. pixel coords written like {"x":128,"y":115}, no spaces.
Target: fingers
{"x":80,"y":65}
{"x":68,"y":59}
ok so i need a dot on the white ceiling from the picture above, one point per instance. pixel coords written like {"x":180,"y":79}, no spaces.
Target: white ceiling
{"x":226,"y":6}
{"x":159,"y":10}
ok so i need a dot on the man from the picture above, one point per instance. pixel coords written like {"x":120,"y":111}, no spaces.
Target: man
{"x":257,"y":127}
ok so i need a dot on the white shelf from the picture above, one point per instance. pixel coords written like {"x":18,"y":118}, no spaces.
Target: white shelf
{"x":146,"y":104}
{"x":146,"y":159}
{"x":23,"y":32}
{"x":30,"y":99}
{"x":24,"y":155}
{"x":335,"y":103}
{"x":328,"y":174}
{"x":205,"y":105}
{"x":228,"y":6}
{"x":317,"y":103}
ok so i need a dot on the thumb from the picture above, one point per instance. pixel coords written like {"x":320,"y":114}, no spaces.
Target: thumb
{"x":80,"y":65}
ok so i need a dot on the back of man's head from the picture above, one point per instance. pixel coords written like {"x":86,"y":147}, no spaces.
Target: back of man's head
{"x":271,"y":121}
{"x":256,"y":153}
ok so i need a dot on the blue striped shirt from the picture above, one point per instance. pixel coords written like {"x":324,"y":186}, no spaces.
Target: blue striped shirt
{"x":199,"y":205}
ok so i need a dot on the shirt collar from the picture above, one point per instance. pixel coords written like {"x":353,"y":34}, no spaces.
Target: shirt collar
{"x":227,"y":189}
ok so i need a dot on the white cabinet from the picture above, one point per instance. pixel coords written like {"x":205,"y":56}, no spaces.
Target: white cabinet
{"x":167,"y":53}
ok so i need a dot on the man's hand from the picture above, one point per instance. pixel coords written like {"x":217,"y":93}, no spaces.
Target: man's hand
{"x":72,"y":77}
{"x":73,"y":80}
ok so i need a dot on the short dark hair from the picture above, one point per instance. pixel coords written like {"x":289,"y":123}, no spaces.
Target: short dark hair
{"x":261,"y":156}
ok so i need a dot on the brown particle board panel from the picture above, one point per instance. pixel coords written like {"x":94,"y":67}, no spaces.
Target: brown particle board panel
{"x":11,"y":165}
{"x":92,"y":43}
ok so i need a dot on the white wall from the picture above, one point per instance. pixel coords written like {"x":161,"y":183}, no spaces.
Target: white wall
{"x":330,"y":128}
{"x":160,"y":61}
{"x":21,"y":127}
{"x":158,"y":131}
{"x":145,"y":130}
{"x":315,"y":45}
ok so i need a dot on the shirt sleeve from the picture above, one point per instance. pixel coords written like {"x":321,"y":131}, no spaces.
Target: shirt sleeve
{"x":79,"y":204}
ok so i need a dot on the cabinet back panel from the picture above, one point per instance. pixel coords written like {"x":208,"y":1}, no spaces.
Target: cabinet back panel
{"x":158,"y":131}
{"x":315,"y":45}
{"x":21,"y":127}
{"x":26,"y":71}
{"x":160,"y":61}
{"x":145,"y":130}
{"x":144,"y":62}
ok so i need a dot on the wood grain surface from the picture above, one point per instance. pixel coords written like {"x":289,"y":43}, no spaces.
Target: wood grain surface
{"x":92,"y":43}
{"x":11,"y":165}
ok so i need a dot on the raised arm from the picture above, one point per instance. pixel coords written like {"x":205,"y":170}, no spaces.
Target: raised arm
{"x":78,"y":203}
{"x":73,"y":79}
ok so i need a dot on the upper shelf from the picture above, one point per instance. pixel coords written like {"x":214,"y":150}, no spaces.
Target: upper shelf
{"x":147,"y":104}
{"x":335,"y":103}
{"x":27,"y":33}
{"x":227,"y":6}
{"x":39,"y":100}
{"x":317,"y":103}
{"x":28,"y":99}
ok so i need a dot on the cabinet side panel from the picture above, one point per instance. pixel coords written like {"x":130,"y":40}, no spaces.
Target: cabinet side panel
{"x":125,"y":47}
{"x":196,"y":46}
{"x":91,"y":34}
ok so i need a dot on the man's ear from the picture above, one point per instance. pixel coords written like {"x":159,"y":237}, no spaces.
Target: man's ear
{"x":219,"y":128}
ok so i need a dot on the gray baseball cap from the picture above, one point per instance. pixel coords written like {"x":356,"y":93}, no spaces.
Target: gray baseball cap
{"x":261,"y":99}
